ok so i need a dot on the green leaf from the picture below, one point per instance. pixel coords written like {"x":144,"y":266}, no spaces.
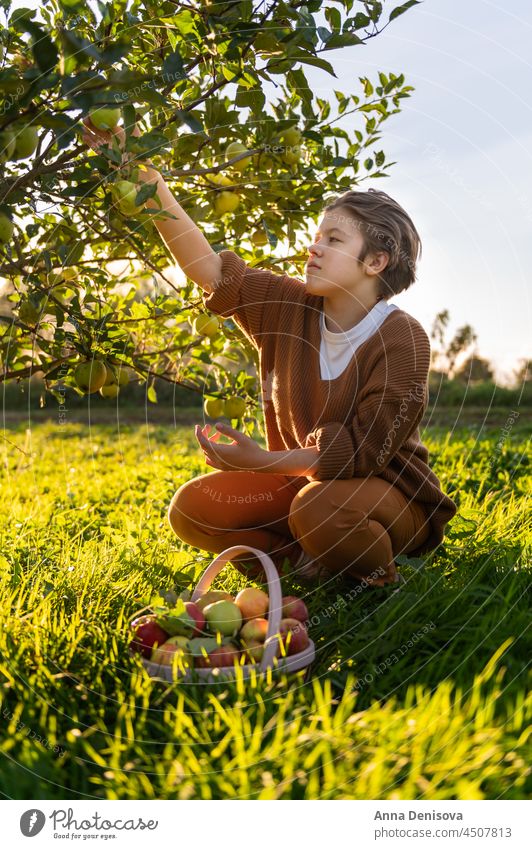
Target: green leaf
{"x":173,"y":69}
{"x":146,"y":191}
{"x":250,"y":98}
{"x":346,"y":39}
{"x":198,"y":646}
{"x":309,"y":59}
{"x":152,"y":394}
{"x":399,"y":10}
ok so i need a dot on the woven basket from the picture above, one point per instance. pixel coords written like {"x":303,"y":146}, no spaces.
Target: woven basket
{"x":290,"y":663}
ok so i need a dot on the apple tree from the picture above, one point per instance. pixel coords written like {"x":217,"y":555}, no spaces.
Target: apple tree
{"x":216,"y":96}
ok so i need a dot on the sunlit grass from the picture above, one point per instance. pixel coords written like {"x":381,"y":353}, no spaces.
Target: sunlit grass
{"x":415,"y":694}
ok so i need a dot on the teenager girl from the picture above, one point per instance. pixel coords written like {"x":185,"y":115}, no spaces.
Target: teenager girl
{"x":345,"y":484}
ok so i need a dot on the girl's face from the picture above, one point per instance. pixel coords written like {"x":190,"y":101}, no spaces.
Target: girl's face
{"x":333,"y":262}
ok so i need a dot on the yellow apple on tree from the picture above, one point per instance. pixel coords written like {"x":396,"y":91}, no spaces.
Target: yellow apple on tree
{"x":125,"y":193}
{"x":235,"y":149}
{"x":90,"y":376}
{"x":105,"y":117}
{"x":6,"y":228}
{"x":26,"y":141}
{"x":220,"y":180}
{"x":109,"y":390}
{"x":7,"y":145}
{"x":213,"y":407}
{"x":292,"y":155}
{"x":234,"y":407}
{"x":225,"y":202}
{"x":259,"y":238}
{"x":205,"y":325}
{"x":28,"y":313}
{"x":291,"y":137}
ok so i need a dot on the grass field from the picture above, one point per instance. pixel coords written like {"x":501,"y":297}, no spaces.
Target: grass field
{"x":416,"y":694}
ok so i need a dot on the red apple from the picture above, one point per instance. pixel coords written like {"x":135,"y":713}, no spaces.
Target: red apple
{"x":252,"y":602}
{"x":146,"y":635}
{"x":294,"y":608}
{"x":294,"y":636}
{"x":193,"y":610}
{"x":220,"y":656}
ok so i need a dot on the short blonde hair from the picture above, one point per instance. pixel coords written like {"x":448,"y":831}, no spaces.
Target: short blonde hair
{"x":386,"y":227}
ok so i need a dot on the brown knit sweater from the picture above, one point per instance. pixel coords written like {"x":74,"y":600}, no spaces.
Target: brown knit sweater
{"x":364,"y":422}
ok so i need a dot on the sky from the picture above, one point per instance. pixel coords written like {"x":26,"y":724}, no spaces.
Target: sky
{"x":463,"y":148}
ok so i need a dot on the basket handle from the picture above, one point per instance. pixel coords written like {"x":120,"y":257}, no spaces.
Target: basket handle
{"x":274,"y":593}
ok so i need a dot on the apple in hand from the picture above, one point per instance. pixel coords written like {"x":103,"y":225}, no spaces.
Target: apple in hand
{"x":294,"y":608}
{"x":294,"y":636}
{"x":252,"y":602}
{"x":223,"y":617}
{"x":146,"y":634}
{"x":211,"y":596}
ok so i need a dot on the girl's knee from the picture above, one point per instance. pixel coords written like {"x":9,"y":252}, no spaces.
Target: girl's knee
{"x":181,"y":507}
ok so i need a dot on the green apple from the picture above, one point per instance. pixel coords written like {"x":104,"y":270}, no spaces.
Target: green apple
{"x":225,"y":202}
{"x":90,"y":376}
{"x":109,"y":390}
{"x":234,"y":407}
{"x":6,"y":228}
{"x":223,"y":617}
{"x":7,"y":145}
{"x":291,"y":137}
{"x":205,"y":325}
{"x":26,"y":141}
{"x":116,"y":374}
{"x":259,"y":238}
{"x":213,"y":407}
{"x":105,"y":117}
{"x":292,"y":155}
{"x":220,"y":180}
{"x":235,"y":149}
{"x":125,"y":193}
{"x":28,"y":313}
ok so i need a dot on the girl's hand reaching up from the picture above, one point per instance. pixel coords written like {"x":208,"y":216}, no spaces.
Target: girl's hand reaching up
{"x":97,"y":139}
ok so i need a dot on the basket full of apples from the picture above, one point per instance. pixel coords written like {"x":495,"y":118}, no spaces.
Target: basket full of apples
{"x":213,"y":633}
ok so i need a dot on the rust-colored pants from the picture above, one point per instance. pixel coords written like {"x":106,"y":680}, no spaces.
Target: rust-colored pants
{"x":354,"y":526}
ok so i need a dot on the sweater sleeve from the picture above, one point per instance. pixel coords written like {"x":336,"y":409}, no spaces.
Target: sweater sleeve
{"x":253,"y":296}
{"x":389,"y":409}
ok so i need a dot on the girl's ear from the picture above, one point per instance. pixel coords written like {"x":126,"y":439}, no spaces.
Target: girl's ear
{"x":378,"y":263}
